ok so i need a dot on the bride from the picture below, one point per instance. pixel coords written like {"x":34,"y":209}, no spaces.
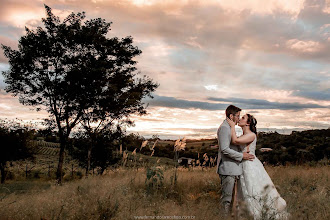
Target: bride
{"x":255,"y":187}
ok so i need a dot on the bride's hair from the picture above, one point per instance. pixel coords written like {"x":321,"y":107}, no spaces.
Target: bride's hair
{"x":253,"y":122}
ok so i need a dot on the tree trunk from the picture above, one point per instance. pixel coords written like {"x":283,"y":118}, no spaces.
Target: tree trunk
{"x":59,"y":173}
{"x":102,"y":169}
{"x":89,"y":152}
{"x":89,"y":155}
{"x":3,"y":173}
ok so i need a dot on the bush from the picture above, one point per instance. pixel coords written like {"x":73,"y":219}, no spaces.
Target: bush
{"x":154,"y":180}
{"x":106,"y":209}
{"x":36,"y":174}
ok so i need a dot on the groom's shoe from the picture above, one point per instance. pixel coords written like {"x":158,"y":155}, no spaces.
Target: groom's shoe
{"x":226,"y":209}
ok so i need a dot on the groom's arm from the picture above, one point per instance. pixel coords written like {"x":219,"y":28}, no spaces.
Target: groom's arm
{"x":224,"y":142}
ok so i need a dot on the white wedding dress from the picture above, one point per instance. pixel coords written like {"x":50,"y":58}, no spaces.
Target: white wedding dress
{"x":257,"y":191}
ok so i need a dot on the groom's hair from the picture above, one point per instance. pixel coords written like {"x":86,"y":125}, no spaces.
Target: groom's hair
{"x":232,"y":110}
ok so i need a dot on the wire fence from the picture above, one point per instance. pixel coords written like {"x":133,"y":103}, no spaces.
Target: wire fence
{"x":36,"y":170}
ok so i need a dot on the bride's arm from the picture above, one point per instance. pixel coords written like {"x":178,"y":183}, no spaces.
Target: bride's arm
{"x":242,"y":140}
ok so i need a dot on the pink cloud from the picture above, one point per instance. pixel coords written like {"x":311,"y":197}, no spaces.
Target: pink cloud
{"x":10,"y":108}
{"x":303,"y":46}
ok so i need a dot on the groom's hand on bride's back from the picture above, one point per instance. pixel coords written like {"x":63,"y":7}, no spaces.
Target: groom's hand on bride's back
{"x":247,"y":156}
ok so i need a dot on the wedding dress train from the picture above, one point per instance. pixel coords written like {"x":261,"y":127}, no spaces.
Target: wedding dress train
{"x":258,"y":192}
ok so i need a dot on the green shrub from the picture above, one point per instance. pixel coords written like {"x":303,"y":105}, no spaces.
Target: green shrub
{"x":154,"y":180}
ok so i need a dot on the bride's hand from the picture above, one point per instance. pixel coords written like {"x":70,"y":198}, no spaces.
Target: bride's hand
{"x":230,"y":122}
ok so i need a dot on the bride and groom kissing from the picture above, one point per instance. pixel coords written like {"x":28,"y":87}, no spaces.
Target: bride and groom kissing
{"x":243,"y":176}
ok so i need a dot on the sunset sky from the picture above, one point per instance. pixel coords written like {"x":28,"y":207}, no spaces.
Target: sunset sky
{"x":270,"y":58}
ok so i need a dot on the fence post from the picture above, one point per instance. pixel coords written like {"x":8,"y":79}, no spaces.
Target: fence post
{"x":49,"y":170}
{"x":72,"y":171}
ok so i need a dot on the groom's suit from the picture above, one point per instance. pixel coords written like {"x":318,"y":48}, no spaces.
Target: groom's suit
{"x":229,"y":155}
{"x":228,"y":163}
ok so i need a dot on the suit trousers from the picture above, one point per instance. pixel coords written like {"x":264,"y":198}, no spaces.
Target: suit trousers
{"x":227,"y":188}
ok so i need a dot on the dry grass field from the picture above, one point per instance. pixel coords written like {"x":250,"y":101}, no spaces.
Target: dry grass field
{"x":125,"y":194}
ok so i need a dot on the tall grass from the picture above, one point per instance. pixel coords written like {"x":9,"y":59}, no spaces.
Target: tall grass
{"x":123,"y":194}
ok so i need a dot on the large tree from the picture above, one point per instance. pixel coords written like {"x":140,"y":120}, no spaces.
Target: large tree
{"x":74,"y":72}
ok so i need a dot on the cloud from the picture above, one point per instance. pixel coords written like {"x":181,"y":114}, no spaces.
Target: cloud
{"x":264,"y":7}
{"x":171,"y":102}
{"x":316,"y":95}
{"x":303,"y":46}
{"x":10,"y":108}
{"x":191,"y":122}
{"x":211,"y":87}
{"x":3,"y":59}
{"x":264,"y":104}
{"x":20,"y":13}
{"x":271,"y":54}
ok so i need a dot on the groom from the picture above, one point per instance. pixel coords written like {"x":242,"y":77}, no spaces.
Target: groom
{"x":229,"y":165}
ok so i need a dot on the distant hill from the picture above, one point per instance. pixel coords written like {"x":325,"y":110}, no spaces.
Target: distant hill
{"x":296,"y":148}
